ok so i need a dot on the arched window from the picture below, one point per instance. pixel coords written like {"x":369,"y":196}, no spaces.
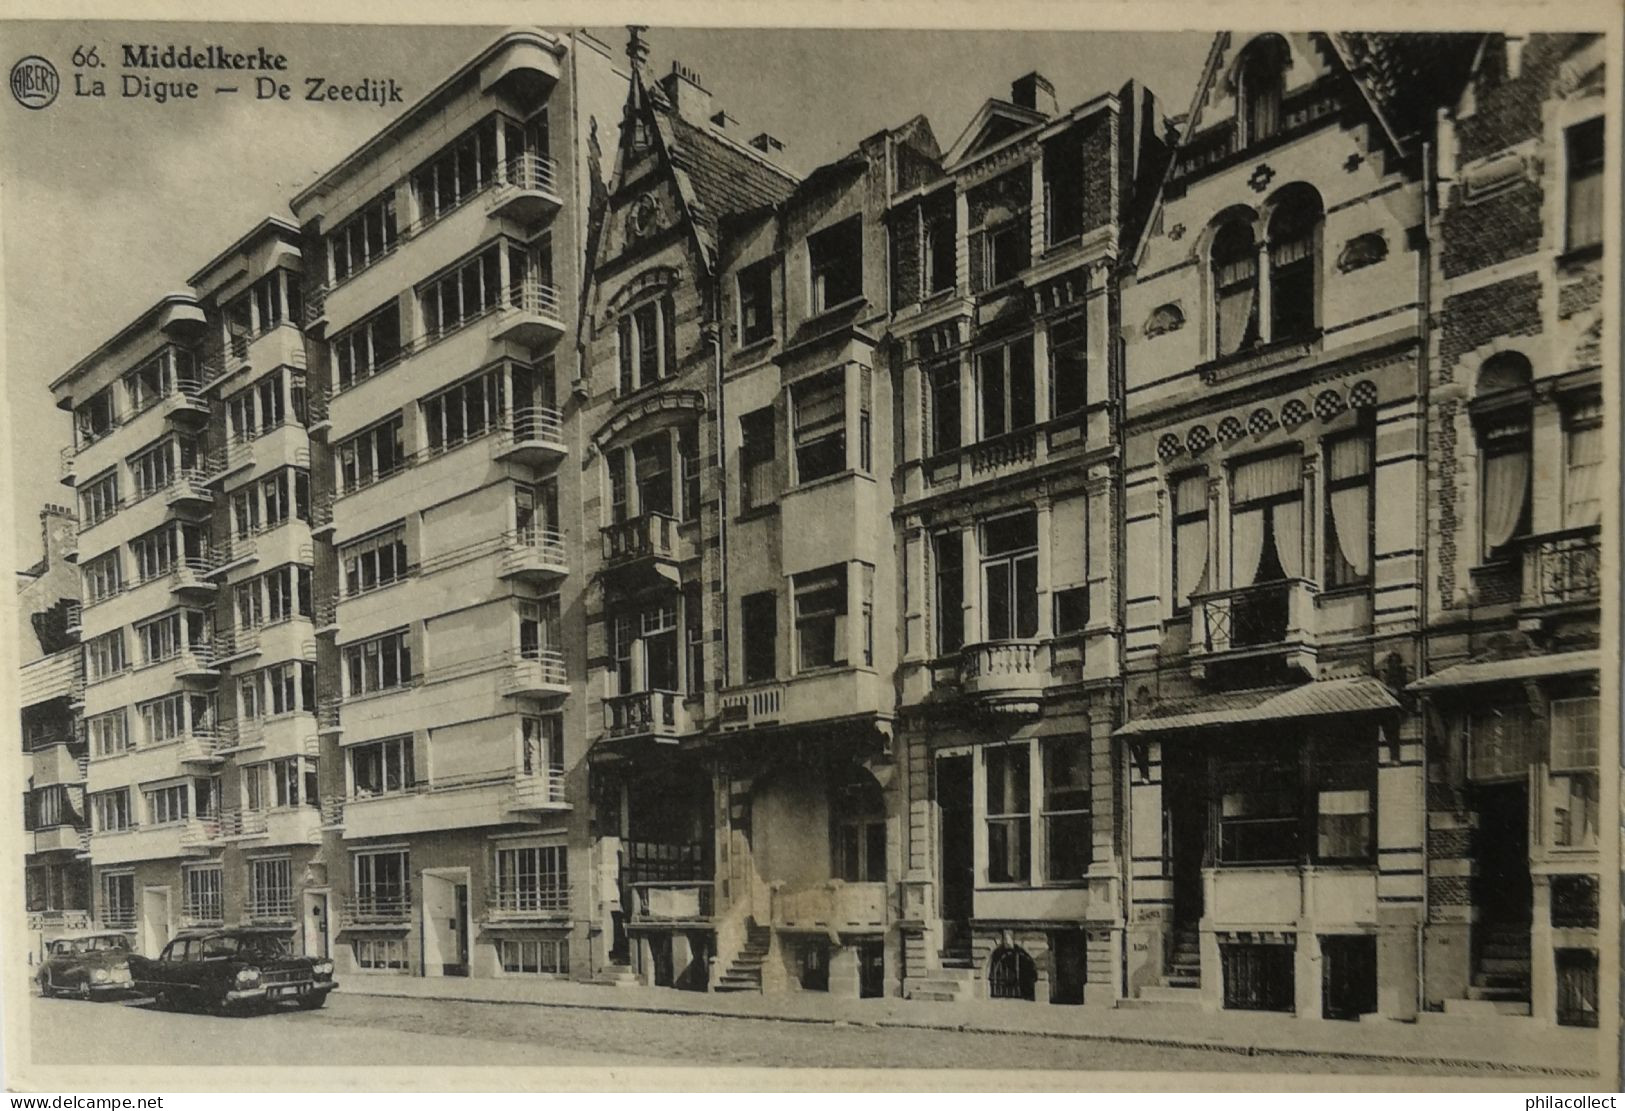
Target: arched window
{"x":1294,"y":268}
{"x":1502,"y":412}
{"x":1260,"y":79}
{"x":1011,"y":974}
{"x":1235,"y":288}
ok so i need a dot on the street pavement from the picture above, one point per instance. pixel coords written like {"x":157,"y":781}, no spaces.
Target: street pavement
{"x":367,"y":1030}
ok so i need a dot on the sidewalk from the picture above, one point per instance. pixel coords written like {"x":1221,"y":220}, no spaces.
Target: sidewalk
{"x":1507,"y":1046}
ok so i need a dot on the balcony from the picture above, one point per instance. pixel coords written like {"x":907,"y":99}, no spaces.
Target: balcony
{"x":74,"y":618}
{"x":824,"y":695}
{"x":332,"y":813}
{"x":524,"y":191}
{"x":504,"y":904}
{"x":1563,"y":569}
{"x":644,"y":549}
{"x":673,"y":902}
{"x":327,"y":617}
{"x":191,"y":574}
{"x":68,"y":473}
{"x":321,"y":516}
{"x":1262,"y":620}
{"x":318,"y":418}
{"x":201,"y":835}
{"x":189,"y":490}
{"x":536,"y":673}
{"x":197,"y":662}
{"x":531,"y":316}
{"x":227,"y":363}
{"x":282,"y":825}
{"x":185,"y":405}
{"x":538,"y":792}
{"x":657,"y":715}
{"x":1004,"y":669}
{"x":232,"y":553}
{"x":534,"y":553}
{"x":329,"y":716}
{"x":236,"y":644}
{"x":58,"y":838}
{"x":532,"y":436}
{"x":834,"y":908}
{"x":224,"y":462}
{"x":202,"y":746}
{"x":375,"y":910}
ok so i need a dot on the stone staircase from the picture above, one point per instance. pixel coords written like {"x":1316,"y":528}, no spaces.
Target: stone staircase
{"x":956,"y":969}
{"x":745,"y":973}
{"x":1181,"y":987}
{"x":616,"y":976}
{"x":1501,"y":970}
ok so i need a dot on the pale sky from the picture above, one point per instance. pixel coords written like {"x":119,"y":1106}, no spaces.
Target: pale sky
{"x":108,"y":204}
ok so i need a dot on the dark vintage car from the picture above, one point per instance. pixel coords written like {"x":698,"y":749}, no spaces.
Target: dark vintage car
{"x":233,"y":969}
{"x":91,"y":965}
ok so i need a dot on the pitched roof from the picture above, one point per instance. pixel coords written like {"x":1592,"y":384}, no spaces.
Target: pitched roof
{"x":1509,"y":670}
{"x":1323,"y":698}
{"x":722,"y":178}
{"x":1405,"y":76}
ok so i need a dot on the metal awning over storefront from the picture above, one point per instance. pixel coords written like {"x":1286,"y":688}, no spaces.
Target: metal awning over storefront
{"x":1325,"y":698}
{"x":1507,"y":671}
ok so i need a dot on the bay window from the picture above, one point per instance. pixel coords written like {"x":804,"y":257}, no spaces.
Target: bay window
{"x":169,"y":804}
{"x":101,"y":577}
{"x":1010,"y":576}
{"x":818,"y":407}
{"x":1266,"y":520}
{"x":382,"y":767}
{"x":1009,"y":831}
{"x":104,"y":656}
{"x":96,"y":417}
{"x":1348,"y":510}
{"x":154,"y":554}
{"x":163,"y":719}
{"x":1258,"y":805}
{"x":382,"y":663}
{"x":111,"y":810}
{"x":651,"y":469}
{"x":820,"y":614}
{"x":644,"y":647}
{"x":1068,"y":838}
{"x":457,"y":172}
{"x":1574,"y":783}
{"x":364,"y":238}
{"x":108,"y":735}
{"x":1004,"y":378}
{"x":153,"y":469}
{"x":98,"y":499}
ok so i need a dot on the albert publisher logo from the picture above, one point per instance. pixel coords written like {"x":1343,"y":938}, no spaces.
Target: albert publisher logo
{"x":34,"y":82}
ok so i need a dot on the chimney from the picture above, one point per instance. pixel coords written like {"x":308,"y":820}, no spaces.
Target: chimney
{"x":691,"y":99}
{"x":1034,"y":92}
{"x":723,"y":121}
{"x":58,"y":533}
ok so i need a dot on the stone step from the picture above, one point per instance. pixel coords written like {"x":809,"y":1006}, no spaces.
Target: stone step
{"x":1182,"y":980}
{"x":726,"y":986}
{"x":1493,"y":992}
{"x":933,"y":996}
{"x":950,"y":988}
{"x":1171,"y":993}
{"x":1476,"y":1010}
{"x":1504,"y":966}
{"x":957,"y":973}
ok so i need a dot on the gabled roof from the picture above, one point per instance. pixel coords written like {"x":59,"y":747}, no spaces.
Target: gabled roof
{"x":716,"y":177}
{"x":995,"y":121}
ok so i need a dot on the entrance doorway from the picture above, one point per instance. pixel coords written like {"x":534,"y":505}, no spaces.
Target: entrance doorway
{"x":871,"y":969}
{"x":958,"y":831}
{"x":1501,"y":891}
{"x":316,"y":936}
{"x":1184,"y":810}
{"x":154,"y":920}
{"x":445,"y":922}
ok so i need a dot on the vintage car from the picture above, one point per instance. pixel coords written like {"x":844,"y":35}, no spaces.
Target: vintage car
{"x":90,"y":965}
{"x":233,"y":969}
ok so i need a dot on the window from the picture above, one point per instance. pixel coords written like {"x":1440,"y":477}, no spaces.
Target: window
{"x":118,"y":898}
{"x":1582,"y":478}
{"x":168,"y":804}
{"x":1345,"y":784}
{"x":546,"y":955}
{"x":465,"y":411}
{"x":382,"y":884}
{"x":1068,"y":367}
{"x":694,"y":641}
{"x":949,"y":557}
{"x":1258,"y":806}
{"x":107,"y":734}
{"x":96,"y":417}
{"x":111,"y":810}
{"x":758,"y":462}
{"x":836,"y":258}
{"x":284,"y":688}
{"x":270,"y":888}
{"x":99,"y":499}
{"x":163,"y":719}
{"x":382,"y":767}
{"x":372,"y":455}
{"x":255,"y":787}
{"x":819,"y":405}
{"x":1000,"y":240}
{"x":202,"y":899}
{"x":542,"y":748}
{"x":365,"y":348}
{"x":160,"y":639}
{"x":293,"y":781}
{"x":756,"y":302}
{"x":380,"y":953}
{"x":1009,"y":831}
{"x":688,"y":459}
{"x":104,"y":656}
{"x":379,"y":664}
{"x":860,"y":849}
{"x":943,"y":382}
{"x":1010,"y":576}
{"x":651,"y":467}
{"x":1294,"y":273}
{"x":1235,"y":289}
{"x":1575,"y":817}
{"x":1266,"y":520}
{"x":1348,"y":510}
{"x":820,"y":601}
{"x":533,"y":879}
{"x":649,"y":635}
{"x":1505,"y":512}
{"x":1261,"y":81}
{"x":647,"y":344}
{"x":1584,"y":205}
{"x":364,"y":238}
{"x":101,"y":577}
{"x":1063,"y":187}
{"x":463,"y":293}
{"x":149,"y":382}
{"x":941,"y":242}
{"x":1005,"y":382}
{"x":375,"y":561}
{"x":154,"y":554}
{"x":459,"y":171}
{"x":759,"y":616}
{"x":153,"y":469}
{"x":1068,"y":839}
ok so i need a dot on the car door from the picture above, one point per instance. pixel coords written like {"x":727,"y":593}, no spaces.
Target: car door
{"x":172,"y":970}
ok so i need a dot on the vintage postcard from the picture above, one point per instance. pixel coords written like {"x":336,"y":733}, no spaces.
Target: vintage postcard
{"x":873,"y":540}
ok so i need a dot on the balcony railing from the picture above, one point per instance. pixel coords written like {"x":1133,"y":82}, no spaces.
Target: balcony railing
{"x":321,"y":513}
{"x":332,"y":813}
{"x":758,"y":705}
{"x":190,"y":485}
{"x":201,"y":746}
{"x":530,"y":315}
{"x":524,"y":189}
{"x":1563,"y":567}
{"x":192,"y":573}
{"x":543,"y":791}
{"x":185,"y":400}
{"x":658,"y":714}
{"x":382,"y":910}
{"x":329,"y":715}
{"x":673,"y":901}
{"x":537,"y":670}
{"x":533,"y":550}
{"x":69,"y":467}
{"x":1004,"y":667}
{"x":542,"y":902}
{"x":1252,"y":617}
{"x":531,"y":435}
{"x":73,"y":615}
{"x":653,"y":535}
{"x":272,"y":906}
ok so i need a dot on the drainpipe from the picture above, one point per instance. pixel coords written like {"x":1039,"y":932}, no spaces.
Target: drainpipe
{"x":1425,"y":372}
{"x":714,"y":332}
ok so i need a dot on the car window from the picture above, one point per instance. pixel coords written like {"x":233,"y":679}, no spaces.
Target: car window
{"x":99,"y":944}
{"x":266,"y":946}
{"x":219,"y":948}
{"x":176,"y":950}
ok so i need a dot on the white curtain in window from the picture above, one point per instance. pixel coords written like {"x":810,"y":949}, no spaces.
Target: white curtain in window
{"x":1246,"y":545}
{"x":1192,"y":542}
{"x":1266,"y":478}
{"x":1506,"y":483}
{"x":1582,"y":501}
{"x":1235,"y":310}
{"x":1289,"y":537}
{"x":1350,"y":515}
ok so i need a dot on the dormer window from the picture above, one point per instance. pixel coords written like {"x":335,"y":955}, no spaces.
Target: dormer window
{"x":1235,"y":288}
{"x":1261,"y":79}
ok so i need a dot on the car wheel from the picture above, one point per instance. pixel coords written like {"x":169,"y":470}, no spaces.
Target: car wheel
{"x":47,"y":990}
{"x":313,"y":1001}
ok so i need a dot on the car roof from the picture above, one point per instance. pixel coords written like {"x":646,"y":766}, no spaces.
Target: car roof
{"x":85,"y":935}
{"x":234,"y":931}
